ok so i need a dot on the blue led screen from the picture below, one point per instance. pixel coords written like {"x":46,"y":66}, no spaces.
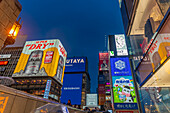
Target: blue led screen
{"x":72,"y":87}
{"x":76,"y":64}
{"x":120,"y":66}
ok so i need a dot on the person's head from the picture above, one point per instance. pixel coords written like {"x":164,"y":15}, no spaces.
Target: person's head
{"x":69,"y":101}
{"x":104,"y":61}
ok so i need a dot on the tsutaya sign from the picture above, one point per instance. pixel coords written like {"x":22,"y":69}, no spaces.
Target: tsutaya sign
{"x":76,"y":64}
{"x":42,"y":58}
{"x":75,"y":60}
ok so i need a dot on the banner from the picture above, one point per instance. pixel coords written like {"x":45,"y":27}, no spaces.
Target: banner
{"x":103,"y":61}
{"x":42,"y":58}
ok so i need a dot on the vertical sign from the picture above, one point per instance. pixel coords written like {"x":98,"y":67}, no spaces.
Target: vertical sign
{"x":121,"y":45}
{"x":47,"y":89}
{"x":103,"y":61}
{"x":124,"y":92}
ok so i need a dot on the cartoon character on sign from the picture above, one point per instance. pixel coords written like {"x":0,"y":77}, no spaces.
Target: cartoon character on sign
{"x":124,"y":90}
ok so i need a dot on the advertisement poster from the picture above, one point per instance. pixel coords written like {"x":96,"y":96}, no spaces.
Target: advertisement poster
{"x":101,"y":79}
{"x":42,"y":58}
{"x":101,"y":88}
{"x":102,"y":99}
{"x":76,"y":64}
{"x":124,"y":92}
{"x":120,"y":66}
{"x":121,"y":45}
{"x":103,"y":61}
{"x":72,"y":87}
{"x":159,"y":50}
{"x":47,"y":89}
{"x":91,"y":99}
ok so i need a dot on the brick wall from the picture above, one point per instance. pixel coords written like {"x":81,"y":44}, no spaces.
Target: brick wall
{"x":9,"y":11}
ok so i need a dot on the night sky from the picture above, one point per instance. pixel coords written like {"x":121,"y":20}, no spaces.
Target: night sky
{"x":81,"y":25}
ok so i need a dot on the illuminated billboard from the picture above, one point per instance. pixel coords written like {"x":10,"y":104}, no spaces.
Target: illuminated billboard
{"x":72,"y":87}
{"x":120,"y":66}
{"x":76,"y":64}
{"x":124,"y":92}
{"x":91,"y":100}
{"x":42,"y":58}
{"x":121,"y":45}
{"x":101,"y":79}
{"x":103,"y":61}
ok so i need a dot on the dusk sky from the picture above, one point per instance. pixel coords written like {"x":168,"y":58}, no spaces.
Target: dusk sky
{"x":81,"y":25}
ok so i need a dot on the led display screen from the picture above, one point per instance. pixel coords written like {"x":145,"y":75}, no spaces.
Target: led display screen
{"x":120,"y":66}
{"x":72,"y":87}
{"x":76,"y":64}
{"x":124,"y":92}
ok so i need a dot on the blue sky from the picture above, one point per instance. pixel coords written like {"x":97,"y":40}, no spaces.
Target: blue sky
{"x":81,"y":25}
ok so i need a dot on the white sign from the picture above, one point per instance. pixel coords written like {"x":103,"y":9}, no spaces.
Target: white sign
{"x":121,"y":45}
{"x":91,"y":100}
{"x":5,"y":56}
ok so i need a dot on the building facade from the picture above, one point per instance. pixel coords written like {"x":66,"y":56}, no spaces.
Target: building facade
{"x":9,"y":12}
{"x":11,"y":55}
{"x":40,"y":69}
{"x":146,"y":25}
{"x":76,"y":83}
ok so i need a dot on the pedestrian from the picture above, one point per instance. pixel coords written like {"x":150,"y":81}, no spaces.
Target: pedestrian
{"x":69,"y":102}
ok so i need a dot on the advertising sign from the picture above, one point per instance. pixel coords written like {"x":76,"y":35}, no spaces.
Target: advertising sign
{"x":108,"y":98}
{"x":72,"y":87}
{"x":42,"y":58}
{"x":101,"y":79}
{"x":120,"y":66}
{"x":121,"y":45}
{"x":3,"y":63}
{"x":76,"y":64}
{"x":5,"y":56}
{"x":159,"y":50}
{"x":91,"y":100}
{"x":102,"y":99}
{"x":101,"y":88}
{"x":124,"y":92}
{"x":103,"y":61}
{"x":47,"y":89}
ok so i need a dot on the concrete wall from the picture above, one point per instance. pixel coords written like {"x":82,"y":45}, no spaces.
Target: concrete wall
{"x":15,"y":101}
{"x":9,"y":11}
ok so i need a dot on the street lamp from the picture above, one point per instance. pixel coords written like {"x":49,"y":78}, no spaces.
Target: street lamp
{"x":13,"y":33}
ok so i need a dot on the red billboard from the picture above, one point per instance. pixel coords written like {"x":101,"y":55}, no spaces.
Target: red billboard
{"x":103,"y":61}
{"x":101,"y":88}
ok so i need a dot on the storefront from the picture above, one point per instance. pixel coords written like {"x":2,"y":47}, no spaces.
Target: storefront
{"x":153,"y":71}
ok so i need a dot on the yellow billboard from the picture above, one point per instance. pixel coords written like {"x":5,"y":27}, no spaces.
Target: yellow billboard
{"x":42,"y":58}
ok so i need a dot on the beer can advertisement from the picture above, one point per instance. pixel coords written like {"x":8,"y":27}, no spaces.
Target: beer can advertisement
{"x":42,"y":58}
{"x":103,"y":61}
{"x":124,"y":92}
